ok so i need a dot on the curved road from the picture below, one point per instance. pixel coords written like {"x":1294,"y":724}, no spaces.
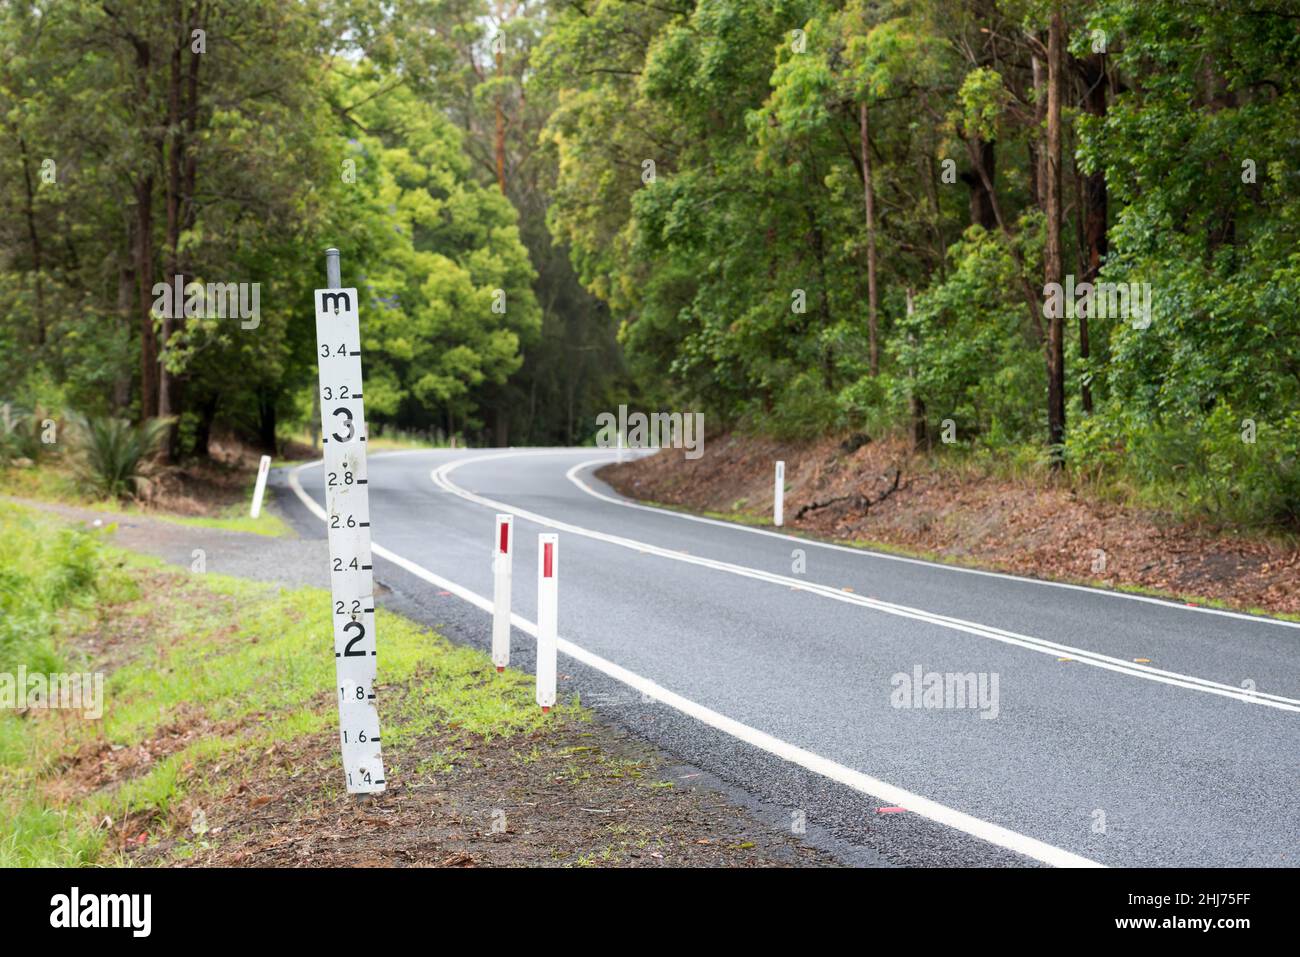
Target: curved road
{"x":1111,"y":729}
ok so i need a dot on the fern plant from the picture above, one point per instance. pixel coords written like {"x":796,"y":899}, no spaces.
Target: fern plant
{"x":113,"y":457}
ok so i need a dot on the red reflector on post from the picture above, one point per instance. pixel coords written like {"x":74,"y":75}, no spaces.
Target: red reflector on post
{"x":547,"y":568}
{"x":505,"y":538}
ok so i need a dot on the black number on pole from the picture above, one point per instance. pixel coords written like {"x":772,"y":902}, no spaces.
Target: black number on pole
{"x":361,"y":633}
{"x":347,"y":421}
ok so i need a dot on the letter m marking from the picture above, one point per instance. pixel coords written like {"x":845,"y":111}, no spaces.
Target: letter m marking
{"x":329,"y":301}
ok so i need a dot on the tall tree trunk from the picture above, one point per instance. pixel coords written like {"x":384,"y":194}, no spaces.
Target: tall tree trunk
{"x":266,"y":421}
{"x":869,"y":201}
{"x":203,"y":431}
{"x":143,"y":270}
{"x":500,"y":140}
{"x":189,"y":206}
{"x":1052,"y":271}
{"x":920,"y":432}
{"x":984,"y":160}
{"x":817,"y":240}
{"x":125,"y":292}
{"x":143,"y":251}
{"x":1094,"y":202}
{"x":35,"y":238}
{"x":168,"y":387}
{"x":1037,"y":155}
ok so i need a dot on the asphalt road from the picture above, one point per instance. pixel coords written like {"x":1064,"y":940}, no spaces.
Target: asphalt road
{"x":1121,"y":731}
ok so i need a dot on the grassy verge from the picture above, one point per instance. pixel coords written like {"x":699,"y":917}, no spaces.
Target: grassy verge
{"x":51,"y":581}
{"x":234,"y":518}
{"x":49,"y":483}
{"x":219,"y":668}
{"x":217,"y":743}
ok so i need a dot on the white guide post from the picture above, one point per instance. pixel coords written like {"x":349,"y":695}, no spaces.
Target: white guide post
{"x":502,"y":561}
{"x":548,"y":576}
{"x":260,"y":488}
{"x":778,"y":496}
{"x":347,"y":510}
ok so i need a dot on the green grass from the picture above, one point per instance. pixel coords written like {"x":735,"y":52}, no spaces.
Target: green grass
{"x":49,"y":483}
{"x":44,"y":482}
{"x":235,"y":518}
{"x":244,"y":663}
{"x":45,"y":566}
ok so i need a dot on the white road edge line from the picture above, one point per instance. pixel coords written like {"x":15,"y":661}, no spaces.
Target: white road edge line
{"x":885,"y":556}
{"x":1040,"y":645}
{"x":942,"y":814}
{"x":1049,"y":647}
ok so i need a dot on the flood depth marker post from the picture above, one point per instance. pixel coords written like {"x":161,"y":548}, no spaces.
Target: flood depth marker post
{"x":347,"y":511}
{"x":260,"y":489}
{"x":778,"y":496}
{"x":548,"y":577}
{"x":502,"y":560}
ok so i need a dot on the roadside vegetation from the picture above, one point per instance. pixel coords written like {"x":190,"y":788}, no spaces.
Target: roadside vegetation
{"x":857,"y":210}
{"x":203,"y":670}
{"x":803,"y":218}
{"x":114,"y":465}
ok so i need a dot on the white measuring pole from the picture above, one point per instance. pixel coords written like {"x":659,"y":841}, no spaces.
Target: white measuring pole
{"x":347,"y":510}
{"x":548,"y":576}
{"x":778,"y":496}
{"x":260,"y":489}
{"x":503,"y":551}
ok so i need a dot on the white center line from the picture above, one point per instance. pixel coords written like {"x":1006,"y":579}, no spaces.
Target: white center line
{"x":866,"y":784}
{"x":571,"y":475}
{"x":1028,"y":642}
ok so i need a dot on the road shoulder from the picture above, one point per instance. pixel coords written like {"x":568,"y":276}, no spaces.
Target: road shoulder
{"x":218,"y":742}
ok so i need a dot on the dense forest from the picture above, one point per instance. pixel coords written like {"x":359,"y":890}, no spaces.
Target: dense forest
{"x":1053,"y":232}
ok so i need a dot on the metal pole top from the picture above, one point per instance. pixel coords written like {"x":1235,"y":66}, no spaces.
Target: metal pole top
{"x":333,"y":278}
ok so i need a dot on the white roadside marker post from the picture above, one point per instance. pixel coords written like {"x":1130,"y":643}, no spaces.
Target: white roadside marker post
{"x":548,"y":575}
{"x":778,"y":496}
{"x":260,"y":489}
{"x":347,"y":509}
{"x":502,"y":562}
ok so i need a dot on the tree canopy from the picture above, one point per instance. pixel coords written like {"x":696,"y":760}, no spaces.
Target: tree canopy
{"x":800,"y":216}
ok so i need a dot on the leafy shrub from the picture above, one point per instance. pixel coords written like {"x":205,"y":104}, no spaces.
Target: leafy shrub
{"x":802,"y":410}
{"x":968,"y":351}
{"x":876,"y":404}
{"x":1224,"y":465}
{"x":46,"y":571}
{"x":113,"y":457}
{"x":23,"y":431}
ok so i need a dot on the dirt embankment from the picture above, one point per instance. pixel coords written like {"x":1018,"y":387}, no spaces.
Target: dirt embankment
{"x":878,"y":494}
